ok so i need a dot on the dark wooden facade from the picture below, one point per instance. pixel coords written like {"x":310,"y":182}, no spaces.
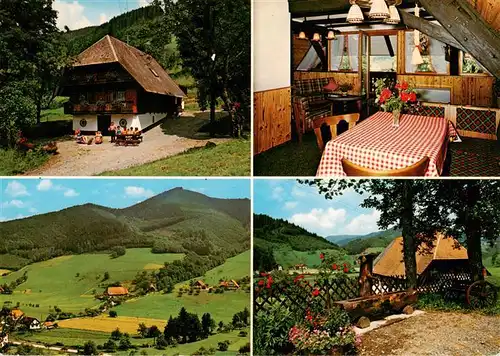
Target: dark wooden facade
{"x":109,"y":89}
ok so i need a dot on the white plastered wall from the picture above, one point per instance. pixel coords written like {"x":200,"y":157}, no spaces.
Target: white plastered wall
{"x":271,"y":43}
{"x":141,"y":121}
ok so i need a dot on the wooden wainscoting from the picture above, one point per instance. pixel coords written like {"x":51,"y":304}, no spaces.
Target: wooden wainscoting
{"x":340,"y":78}
{"x":465,"y":90}
{"x":272,"y":118}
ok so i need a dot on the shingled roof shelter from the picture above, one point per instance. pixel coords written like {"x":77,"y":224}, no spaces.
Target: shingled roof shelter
{"x":113,"y":81}
{"x":445,"y":252}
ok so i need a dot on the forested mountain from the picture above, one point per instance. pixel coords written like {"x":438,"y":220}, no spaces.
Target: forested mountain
{"x":376,"y":239}
{"x":175,"y":221}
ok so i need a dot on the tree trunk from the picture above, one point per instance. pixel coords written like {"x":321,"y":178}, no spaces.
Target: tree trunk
{"x":409,"y":245}
{"x":473,"y":231}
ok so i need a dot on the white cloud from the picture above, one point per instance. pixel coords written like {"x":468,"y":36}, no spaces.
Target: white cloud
{"x":299,"y":192}
{"x":277,"y":193}
{"x":320,"y":221}
{"x":138,"y":192}
{"x":44,"y":185}
{"x":33,"y":210}
{"x":70,"y":14}
{"x":102,"y":18}
{"x":289,"y":205}
{"x":363,"y":224}
{"x":14,"y":203}
{"x":70,"y":193}
{"x":16,"y":189}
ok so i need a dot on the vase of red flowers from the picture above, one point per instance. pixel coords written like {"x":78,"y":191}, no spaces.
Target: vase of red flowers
{"x":395,"y":100}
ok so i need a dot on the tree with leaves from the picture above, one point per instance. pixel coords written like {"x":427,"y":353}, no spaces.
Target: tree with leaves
{"x":90,"y":348}
{"x":213,"y":39}
{"x":207,"y":324}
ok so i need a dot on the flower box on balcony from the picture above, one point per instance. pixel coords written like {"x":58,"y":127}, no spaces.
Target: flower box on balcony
{"x":108,"y":107}
{"x":77,"y":107}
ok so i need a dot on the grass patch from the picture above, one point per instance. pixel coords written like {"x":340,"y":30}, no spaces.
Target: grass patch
{"x":68,"y":281}
{"x":54,"y":115}
{"x":287,"y":257}
{"x":13,"y":162}
{"x":290,"y":159}
{"x":235,"y":267}
{"x":437,"y":302}
{"x":226,"y":159}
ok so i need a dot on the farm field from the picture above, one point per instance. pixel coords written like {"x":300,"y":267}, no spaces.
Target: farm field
{"x":235,"y":268}
{"x":4,"y":271}
{"x":106,"y":324}
{"x":287,"y":257}
{"x":68,"y":281}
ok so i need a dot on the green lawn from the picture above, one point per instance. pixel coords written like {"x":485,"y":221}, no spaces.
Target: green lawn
{"x":235,"y":268}
{"x":227,"y":159}
{"x":55,"y":282}
{"x":54,"y":115}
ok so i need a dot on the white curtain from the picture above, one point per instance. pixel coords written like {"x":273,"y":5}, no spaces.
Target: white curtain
{"x":353,"y":52}
{"x":336,"y":51}
{"x":310,"y":61}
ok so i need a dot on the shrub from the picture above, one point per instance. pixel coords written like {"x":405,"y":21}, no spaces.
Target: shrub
{"x":245,"y":349}
{"x":113,"y":314}
{"x":243,"y":333}
{"x":223,"y":346}
{"x":270,"y":332}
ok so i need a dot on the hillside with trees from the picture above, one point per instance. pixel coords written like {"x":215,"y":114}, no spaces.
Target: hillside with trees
{"x":378,"y":239}
{"x":170,"y":222}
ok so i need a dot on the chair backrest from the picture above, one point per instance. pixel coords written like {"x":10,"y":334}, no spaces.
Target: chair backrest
{"x":332,"y":122}
{"x":416,"y":170}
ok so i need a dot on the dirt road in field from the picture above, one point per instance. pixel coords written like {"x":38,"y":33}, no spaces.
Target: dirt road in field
{"x":85,"y":160}
{"x":40,"y":346}
{"x":436,"y":333}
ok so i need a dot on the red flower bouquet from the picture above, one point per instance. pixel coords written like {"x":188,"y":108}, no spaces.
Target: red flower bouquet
{"x":395,"y":101}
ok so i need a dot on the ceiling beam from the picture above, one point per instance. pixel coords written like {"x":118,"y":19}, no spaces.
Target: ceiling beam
{"x":432,"y":30}
{"x":322,"y":7}
{"x":320,"y":51}
{"x":465,"y":24}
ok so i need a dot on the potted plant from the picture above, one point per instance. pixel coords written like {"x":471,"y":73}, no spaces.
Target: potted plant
{"x":395,"y":101}
{"x":344,"y":88}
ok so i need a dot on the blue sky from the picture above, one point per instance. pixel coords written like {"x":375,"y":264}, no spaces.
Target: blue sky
{"x":82,"y":13}
{"x":303,"y":206}
{"x":26,"y":197}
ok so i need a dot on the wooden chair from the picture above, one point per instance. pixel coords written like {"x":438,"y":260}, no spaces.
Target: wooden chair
{"x":416,"y":170}
{"x":332,"y":122}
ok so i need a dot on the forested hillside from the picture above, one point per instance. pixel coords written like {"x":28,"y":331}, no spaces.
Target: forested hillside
{"x":378,"y":239}
{"x":170,"y":222}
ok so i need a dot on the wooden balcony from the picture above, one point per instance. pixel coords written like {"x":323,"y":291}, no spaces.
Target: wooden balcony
{"x":79,"y":109}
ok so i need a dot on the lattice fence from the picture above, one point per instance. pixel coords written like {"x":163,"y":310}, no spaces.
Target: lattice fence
{"x":451,"y":284}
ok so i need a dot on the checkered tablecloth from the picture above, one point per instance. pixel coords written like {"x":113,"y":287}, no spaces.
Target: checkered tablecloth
{"x":376,"y":144}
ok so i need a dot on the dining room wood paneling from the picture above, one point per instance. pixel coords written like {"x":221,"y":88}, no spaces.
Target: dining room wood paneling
{"x":465,"y":90}
{"x":272,"y":118}
{"x":340,"y":78}
{"x":489,"y":10}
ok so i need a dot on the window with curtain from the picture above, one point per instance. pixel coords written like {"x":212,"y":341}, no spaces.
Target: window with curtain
{"x":383,"y":53}
{"x":434,"y":54}
{"x":344,"y":53}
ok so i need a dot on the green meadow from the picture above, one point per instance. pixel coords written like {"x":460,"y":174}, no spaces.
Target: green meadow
{"x":287,"y":257}
{"x":69,"y":281}
{"x":222,"y":307}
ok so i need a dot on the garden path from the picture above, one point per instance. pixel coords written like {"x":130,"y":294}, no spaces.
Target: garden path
{"x":436,"y":333}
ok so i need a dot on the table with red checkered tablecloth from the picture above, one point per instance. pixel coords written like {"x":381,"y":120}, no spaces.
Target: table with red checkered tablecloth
{"x":376,"y":144}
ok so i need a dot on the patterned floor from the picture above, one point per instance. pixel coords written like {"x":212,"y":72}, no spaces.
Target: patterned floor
{"x":475,"y":158}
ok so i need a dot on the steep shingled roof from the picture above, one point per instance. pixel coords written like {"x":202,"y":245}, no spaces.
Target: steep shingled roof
{"x":390,"y":262}
{"x":141,"y":66}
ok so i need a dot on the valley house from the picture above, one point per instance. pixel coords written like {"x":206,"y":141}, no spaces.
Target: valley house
{"x":114,"y":82}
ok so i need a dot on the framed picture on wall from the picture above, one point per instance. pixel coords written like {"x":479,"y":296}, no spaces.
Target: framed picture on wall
{"x":469,"y":66}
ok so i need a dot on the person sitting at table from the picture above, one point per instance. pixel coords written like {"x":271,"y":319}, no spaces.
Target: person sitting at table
{"x":118,"y":130}
{"x":98,"y":138}
{"x":137,"y":132}
{"x":79,"y":137}
{"x":112,"y":131}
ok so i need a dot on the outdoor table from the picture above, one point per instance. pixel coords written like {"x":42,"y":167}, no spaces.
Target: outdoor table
{"x":376,"y":144}
{"x":128,"y":139}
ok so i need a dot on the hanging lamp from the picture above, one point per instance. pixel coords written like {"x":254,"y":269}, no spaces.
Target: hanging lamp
{"x":316,"y":37}
{"x":379,"y":10}
{"x":394,"y":18}
{"x":416,"y":58}
{"x":302,"y":35}
{"x":355,"y":14}
{"x":331,"y":35}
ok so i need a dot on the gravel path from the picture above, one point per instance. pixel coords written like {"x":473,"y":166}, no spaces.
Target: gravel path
{"x":86,"y":160}
{"x":436,"y":333}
